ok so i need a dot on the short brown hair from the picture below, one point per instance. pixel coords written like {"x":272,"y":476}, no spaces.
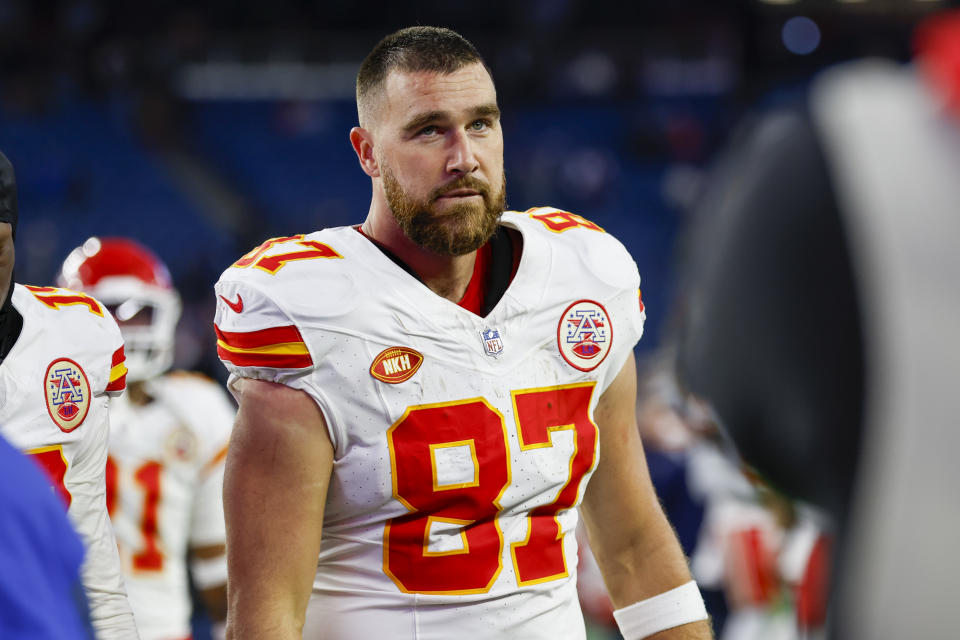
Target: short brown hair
{"x":435,"y":49}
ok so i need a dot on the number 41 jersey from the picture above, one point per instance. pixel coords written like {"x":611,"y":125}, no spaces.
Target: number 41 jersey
{"x":462,"y":444}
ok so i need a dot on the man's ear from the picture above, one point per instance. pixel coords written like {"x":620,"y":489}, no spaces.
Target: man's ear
{"x":362,"y":142}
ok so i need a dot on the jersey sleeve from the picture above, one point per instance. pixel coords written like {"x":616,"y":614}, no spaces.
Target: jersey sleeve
{"x":597,"y":261}
{"x":113,"y":379}
{"x":100,"y":345}
{"x":117,"y":378}
{"x":259,"y":338}
{"x":109,"y":362}
{"x":625,"y":306}
{"x":259,"y":341}
{"x":617,"y":280}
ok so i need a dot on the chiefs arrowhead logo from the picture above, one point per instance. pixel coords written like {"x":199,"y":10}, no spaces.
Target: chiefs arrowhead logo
{"x":584,"y":335}
{"x":396,"y":364}
{"x":68,"y":393}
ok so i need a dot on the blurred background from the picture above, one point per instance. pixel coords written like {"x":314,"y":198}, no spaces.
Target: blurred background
{"x":202,"y":129}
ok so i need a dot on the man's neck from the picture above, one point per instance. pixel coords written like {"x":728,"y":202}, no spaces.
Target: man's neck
{"x":447,"y":276}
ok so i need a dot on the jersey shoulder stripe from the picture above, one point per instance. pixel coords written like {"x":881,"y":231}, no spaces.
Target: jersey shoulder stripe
{"x":262,"y":338}
{"x":277,"y":347}
{"x":118,"y":372}
{"x":64,"y":323}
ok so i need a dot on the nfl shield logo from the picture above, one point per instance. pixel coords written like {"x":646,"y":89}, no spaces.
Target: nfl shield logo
{"x":492,"y":343}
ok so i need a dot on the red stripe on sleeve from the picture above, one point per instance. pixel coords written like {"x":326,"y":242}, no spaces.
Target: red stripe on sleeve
{"x":119,"y":384}
{"x":118,"y":357}
{"x":261,"y":338}
{"x":274,"y":361}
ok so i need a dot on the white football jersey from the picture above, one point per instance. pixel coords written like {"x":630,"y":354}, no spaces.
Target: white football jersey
{"x":164,"y":492}
{"x":462,"y":444}
{"x":54,"y":389}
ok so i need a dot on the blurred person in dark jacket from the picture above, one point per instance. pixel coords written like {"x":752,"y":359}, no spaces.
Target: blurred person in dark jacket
{"x":823,"y":323}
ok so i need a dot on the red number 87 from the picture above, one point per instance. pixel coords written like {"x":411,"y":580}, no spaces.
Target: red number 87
{"x":472,"y":505}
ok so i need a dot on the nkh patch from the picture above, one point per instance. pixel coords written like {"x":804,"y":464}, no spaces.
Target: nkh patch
{"x":67,"y":392}
{"x":584,"y":335}
{"x":394,"y":365}
{"x":492,"y":342}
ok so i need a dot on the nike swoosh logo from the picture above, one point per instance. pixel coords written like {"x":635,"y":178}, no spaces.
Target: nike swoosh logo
{"x":236,"y":306}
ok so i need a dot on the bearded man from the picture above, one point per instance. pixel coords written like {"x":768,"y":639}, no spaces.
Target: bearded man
{"x":424,"y":397}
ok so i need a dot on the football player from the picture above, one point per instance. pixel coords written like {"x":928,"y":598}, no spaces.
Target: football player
{"x":424,"y":397}
{"x":168,"y":441}
{"x":61,"y":359}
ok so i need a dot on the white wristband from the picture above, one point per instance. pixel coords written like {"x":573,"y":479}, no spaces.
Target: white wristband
{"x":664,"y":611}
{"x":209,"y":572}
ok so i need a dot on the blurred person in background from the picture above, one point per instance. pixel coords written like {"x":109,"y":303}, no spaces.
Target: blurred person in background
{"x":168,"y":441}
{"x":41,"y":595}
{"x":61,"y":358}
{"x":429,"y":391}
{"x":823,"y":325}
{"x":759,"y":558}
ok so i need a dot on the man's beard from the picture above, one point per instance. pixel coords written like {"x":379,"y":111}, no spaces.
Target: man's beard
{"x":457,"y":231}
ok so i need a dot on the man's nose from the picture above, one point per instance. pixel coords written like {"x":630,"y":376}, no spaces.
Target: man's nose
{"x":461,"y":158}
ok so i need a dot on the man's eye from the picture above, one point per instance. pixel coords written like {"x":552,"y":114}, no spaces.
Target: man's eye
{"x":478,"y":125}
{"x":428,"y":131}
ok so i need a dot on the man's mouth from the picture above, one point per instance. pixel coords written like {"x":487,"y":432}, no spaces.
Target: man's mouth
{"x":460,"y":193}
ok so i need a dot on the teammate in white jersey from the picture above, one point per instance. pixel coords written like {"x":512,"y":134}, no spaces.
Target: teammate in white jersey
{"x":168,"y":443}
{"x":423,"y":397}
{"x":61,"y":358}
